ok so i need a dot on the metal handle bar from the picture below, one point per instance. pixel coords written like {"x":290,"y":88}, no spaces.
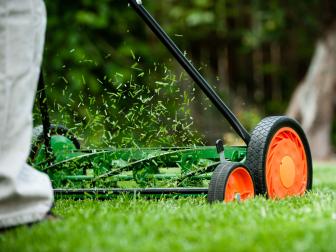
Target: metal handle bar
{"x":190,"y":69}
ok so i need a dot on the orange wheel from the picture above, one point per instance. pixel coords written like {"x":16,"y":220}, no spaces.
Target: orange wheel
{"x":230,"y":182}
{"x":279,"y":157}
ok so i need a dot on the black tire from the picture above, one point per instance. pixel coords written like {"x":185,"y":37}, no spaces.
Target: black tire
{"x":259,"y":144}
{"x":220,"y":178}
{"x":38,"y":139}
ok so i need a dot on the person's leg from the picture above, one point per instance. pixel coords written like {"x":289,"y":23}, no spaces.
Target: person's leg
{"x":25,"y":194}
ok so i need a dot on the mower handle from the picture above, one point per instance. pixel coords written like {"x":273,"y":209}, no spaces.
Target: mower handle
{"x":190,"y":69}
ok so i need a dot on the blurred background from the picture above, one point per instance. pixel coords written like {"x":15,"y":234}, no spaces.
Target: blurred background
{"x":115,"y":85}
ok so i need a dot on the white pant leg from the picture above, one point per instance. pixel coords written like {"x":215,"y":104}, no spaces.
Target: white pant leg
{"x":25,"y":194}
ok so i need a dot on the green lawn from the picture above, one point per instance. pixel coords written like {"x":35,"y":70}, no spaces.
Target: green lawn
{"x":189,"y":224}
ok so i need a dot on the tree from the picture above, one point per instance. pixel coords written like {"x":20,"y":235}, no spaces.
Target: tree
{"x":313,"y":102}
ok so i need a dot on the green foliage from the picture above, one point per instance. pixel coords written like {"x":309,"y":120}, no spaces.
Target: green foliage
{"x":250,"y":118}
{"x":102,"y":82}
{"x":254,"y":50}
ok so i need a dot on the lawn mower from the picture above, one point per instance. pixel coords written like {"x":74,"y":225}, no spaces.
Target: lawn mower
{"x":275,"y":162}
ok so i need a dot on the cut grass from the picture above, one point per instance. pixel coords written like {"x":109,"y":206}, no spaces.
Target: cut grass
{"x":188,"y":224}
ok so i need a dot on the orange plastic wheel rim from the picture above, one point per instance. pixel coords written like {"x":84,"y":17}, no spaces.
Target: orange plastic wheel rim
{"x":239,"y":185}
{"x":286,"y":165}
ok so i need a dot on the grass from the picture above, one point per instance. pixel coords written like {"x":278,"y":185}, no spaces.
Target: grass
{"x":188,"y":224}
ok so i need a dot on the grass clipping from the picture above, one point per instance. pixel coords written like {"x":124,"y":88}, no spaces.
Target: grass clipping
{"x":142,"y":109}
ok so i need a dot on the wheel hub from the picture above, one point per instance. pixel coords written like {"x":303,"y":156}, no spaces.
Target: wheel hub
{"x":287,"y":171}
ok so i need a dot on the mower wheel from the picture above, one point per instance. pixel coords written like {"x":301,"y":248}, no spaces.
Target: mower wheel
{"x":38,"y":139}
{"x":229,"y":182}
{"x":279,"y":158}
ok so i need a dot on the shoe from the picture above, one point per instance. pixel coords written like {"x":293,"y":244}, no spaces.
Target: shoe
{"x":50,"y":216}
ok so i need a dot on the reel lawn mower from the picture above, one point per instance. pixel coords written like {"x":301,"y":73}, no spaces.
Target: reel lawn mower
{"x":275,"y":162}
